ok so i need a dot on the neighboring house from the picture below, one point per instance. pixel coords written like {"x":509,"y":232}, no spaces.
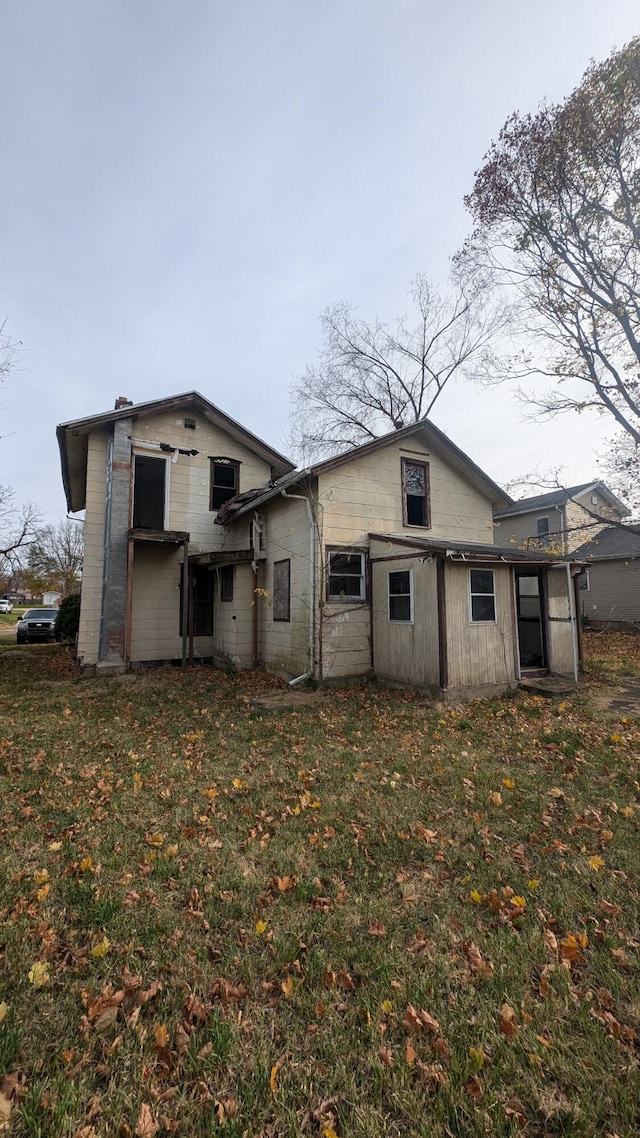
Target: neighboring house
{"x":609,"y":587}
{"x":559,"y":521}
{"x":380,"y":560}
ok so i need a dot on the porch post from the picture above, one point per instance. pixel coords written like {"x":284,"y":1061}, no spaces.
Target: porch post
{"x":443,"y":663}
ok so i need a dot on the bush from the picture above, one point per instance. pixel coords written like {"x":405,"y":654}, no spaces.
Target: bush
{"x":68,"y":618}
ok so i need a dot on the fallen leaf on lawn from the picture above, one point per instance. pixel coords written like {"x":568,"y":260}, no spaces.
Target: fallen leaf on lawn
{"x":329,"y":1132}
{"x":329,"y":977}
{"x":261,"y":927}
{"x":43,"y":892}
{"x":283,"y":884}
{"x":609,"y":909}
{"x":410,"y":1053}
{"x":106,"y":1020}
{"x":146,"y":1126}
{"x":86,"y":1132}
{"x":508,"y":1025}
{"x":496,"y":798}
{"x":40,"y":974}
{"x":161,"y":1036}
{"x":474,"y":1088}
{"x":273,"y":1079}
{"x":287,"y":987}
{"x":181,"y":1039}
{"x":477,"y":963}
{"x":387,"y":1007}
{"x":478,"y":1058}
{"x":377,"y":929}
{"x":5,"y":1112}
{"x":514,"y":1109}
{"x":385,"y":1057}
{"x":86,"y":865}
{"x":551,"y":941}
{"x":4,"y":1008}
{"x":155,"y":840}
{"x":431,"y":1074}
{"x":508,"y":783}
{"x":137,"y":782}
{"x":417,"y":1020}
{"x":40,"y":876}
{"x":571,"y":946}
{"x":476,"y":897}
{"x":555,"y":792}
{"x":54,"y":846}
{"x":211,"y":793}
{"x":596,"y":862}
{"x":239,"y":784}
{"x":101,"y":948}
{"x":345,"y":981}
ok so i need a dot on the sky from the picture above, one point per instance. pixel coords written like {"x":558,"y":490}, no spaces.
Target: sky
{"x":187,"y":186}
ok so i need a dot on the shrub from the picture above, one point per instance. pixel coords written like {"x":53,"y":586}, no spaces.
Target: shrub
{"x":68,"y":618}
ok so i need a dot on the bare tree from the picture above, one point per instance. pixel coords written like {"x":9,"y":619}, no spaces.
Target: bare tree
{"x":557,"y":210}
{"x":55,"y":557}
{"x":373,"y":377}
{"x":17,"y":527}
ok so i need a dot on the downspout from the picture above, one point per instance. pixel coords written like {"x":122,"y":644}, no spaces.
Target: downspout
{"x":572,"y":614}
{"x":105,"y":548}
{"x":312,"y":562}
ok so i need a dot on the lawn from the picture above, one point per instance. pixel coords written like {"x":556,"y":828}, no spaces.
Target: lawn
{"x":363,"y":916}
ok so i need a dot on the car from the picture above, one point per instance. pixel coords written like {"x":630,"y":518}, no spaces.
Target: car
{"x":36,"y":624}
{"x":6,"y":606}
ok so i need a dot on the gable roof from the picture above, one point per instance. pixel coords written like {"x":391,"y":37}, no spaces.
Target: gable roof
{"x":559,"y":498}
{"x":73,"y":438}
{"x":614,"y":542}
{"x":435,"y":439}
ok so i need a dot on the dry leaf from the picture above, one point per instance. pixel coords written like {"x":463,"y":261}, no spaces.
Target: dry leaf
{"x":410,"y":1053}
{"x":40,"y":974}
{"x":508,"y":1025}
{"x":474,"y":1088}
{"x":345,"y":981}
{"x":146,"y":1126}
{"x":385,"y":1057}
{"x":161,"y":1036}
{"x":273,"y":1079}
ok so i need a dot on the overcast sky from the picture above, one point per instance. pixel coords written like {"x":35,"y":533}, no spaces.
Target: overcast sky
{"x":186,"y":186}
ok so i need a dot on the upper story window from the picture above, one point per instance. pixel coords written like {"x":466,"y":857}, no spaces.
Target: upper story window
{"x":346,"y":575}
{"x":224,"y":481}
{"x":149,"y":492}
{"x":542,"y":528}
{"x":415,"y":493}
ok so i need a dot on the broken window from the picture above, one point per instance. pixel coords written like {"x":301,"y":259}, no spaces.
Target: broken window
{"x":282,"y":590}
{"x":223,"y":481}
{"x":346,"y":580}
{"x":149,"y":492}
{"x":415,"y":493}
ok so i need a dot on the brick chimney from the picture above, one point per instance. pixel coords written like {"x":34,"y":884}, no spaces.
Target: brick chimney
{"x":122,"y":401}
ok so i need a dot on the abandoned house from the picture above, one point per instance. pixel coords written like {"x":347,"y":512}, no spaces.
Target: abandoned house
{"x":378,"y":561}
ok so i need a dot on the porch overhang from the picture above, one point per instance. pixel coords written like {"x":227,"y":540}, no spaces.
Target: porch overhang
{"x":160,"y":536}
{"x":469,"y":552}
{"x":216,"y":559}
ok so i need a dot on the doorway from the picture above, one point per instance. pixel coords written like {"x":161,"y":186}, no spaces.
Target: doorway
{"x":149,"y":492}
{"x":530,"y":612}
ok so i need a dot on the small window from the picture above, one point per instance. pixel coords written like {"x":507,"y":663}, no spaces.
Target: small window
{"x":542,"y":526}
{"x":282,"y":590}
{"x":401,"y":596}
{"x":226,"y":583}
{"x":224,"y":481}
{"x":583,"y":581}
{"x":346,"y":575}
{"x":190,"y":424}
{"x":415,"y":493}
{"x":482,"y":596}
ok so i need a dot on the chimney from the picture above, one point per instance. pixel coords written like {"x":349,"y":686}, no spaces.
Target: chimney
{"x":122,"y":401}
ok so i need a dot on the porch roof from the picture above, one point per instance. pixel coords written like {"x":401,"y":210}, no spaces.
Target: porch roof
{"x":473,"y":551}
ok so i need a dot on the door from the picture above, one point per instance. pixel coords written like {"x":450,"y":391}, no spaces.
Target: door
{"x":530,"y":609}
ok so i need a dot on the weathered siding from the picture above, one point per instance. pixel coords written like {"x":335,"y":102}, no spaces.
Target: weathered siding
{"x":92,"y":565}
{"x":365,"y":496}
{"x":284,"y":645}
{"x":155,"y":624}
{"x":560,"y":630}
{"x":479,"y":654}
{"x":614,"y":591}
{"x":189,"y":475}
{"x":405,"y":652}
{"x":233,"y":620}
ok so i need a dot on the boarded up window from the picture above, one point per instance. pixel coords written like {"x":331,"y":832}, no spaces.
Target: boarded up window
{"x":226,"y":583}
{"x":282,"y":590}
{"x":415,"y":493}
{"x":224,"y":481}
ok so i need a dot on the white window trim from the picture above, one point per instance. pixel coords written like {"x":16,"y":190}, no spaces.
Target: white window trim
{"x":587,"y":587}
{"x":493,"y":594}
{"x":337,"y":599}
{"x":150,"y":450}
{"x":411,"y":596}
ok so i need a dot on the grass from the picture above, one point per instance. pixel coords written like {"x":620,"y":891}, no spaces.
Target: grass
{"x":218,"y":920}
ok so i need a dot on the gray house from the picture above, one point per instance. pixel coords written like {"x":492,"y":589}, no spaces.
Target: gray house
{"x":609,"y":587}
{"x":561,"y":520}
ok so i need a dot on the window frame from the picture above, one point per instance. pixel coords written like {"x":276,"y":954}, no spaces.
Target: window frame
{"x":226,"y":463}
{"x":492,"y":594}
{"x":205,"y":575}
{"x":349,"y":551}
{"x":584,"y":574}
{"x":404,"y":462}
{"x":226,"y":583}
{"x":280,"y":618}
{"x":410,"y":594}
{"x":151,"y":452}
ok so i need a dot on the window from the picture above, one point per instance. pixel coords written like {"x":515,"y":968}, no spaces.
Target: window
{"x":149,"y":492}
{"x":282,"y":590}
{"x":226,"y":583}
{"x":401,"y":596}
{"x":415,"y":493}
{"x":190,"y":424}
{"x":223,"y":481}
{"x":201,"y":600}
{"x":482,"y":604}
{"x":346,"y":575}
{"x":542,"y":529}
{"x":583,"y":581}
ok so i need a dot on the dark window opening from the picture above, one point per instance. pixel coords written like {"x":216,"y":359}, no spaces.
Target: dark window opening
{"x":149,"y":492}
{"x":201,"y":600}
{"x":346,"y":576}
{"x":190,"y":424}
{"x":400,"y":596}
{"x":282,"y":590}
{"x":415,"y":493}
{"x":224,"y":481}
{"x":226,"y":583}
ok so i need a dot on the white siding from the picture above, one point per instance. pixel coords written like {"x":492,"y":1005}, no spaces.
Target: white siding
{"x":233,"y":620}
{"x":405,"y":652}
{"x":91,"y":591}
{"x":155,"y":625}
{"x":479,"y":654}
{"x":284,"y":645}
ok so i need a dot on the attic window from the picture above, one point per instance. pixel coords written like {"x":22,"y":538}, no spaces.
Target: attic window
{"x":190,"y":424}
{"x":415,"y":493}
{"x":224,"y":481}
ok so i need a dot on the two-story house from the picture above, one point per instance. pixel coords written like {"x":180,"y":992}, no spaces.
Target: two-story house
{"x":560,"y":520}
{"x":380,"y":560}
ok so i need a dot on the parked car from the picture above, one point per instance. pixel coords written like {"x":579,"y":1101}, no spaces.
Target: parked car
{"x":36,"y":624}
{"x":6,"y":606}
